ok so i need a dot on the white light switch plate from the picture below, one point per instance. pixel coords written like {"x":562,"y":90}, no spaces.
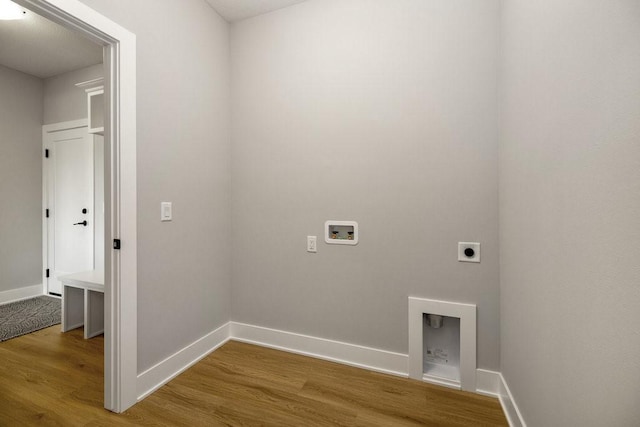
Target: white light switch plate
{"x":165,"y":211}
{"x":312,"y":244}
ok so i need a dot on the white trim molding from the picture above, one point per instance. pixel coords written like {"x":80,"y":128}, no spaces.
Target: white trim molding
{"x":72,"y":124}
{"x":489,"y":383}
{"x":335,"y":351}
{"x":493,"y":384}
{"x":511,"y":411}
{"x":467,"y":315}
{"x":166,"y":370}
{"x":18,"y":294}
{"x":120,"y":190}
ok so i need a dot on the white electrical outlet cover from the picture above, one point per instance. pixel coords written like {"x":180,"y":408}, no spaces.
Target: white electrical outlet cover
{"x":312,"y":244}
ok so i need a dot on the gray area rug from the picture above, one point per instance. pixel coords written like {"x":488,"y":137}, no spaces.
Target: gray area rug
{"x":26,"y":316}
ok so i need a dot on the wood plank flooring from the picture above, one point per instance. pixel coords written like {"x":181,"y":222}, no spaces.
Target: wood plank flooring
{"x":54,"y":379}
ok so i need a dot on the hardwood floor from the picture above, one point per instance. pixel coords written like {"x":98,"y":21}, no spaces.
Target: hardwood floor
{"x":50,"y":378}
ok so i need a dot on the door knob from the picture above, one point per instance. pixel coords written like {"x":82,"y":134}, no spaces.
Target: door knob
{"x":84,"y":223}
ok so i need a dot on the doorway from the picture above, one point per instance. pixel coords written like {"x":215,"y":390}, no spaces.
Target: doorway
{"x":74,"y":200}
{"x":120,"y":353}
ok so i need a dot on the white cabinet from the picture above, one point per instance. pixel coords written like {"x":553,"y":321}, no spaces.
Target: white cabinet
{"x":95,"y":104}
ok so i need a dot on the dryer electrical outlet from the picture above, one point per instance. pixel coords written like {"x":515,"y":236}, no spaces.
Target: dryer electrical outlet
{"x":468,"y":252}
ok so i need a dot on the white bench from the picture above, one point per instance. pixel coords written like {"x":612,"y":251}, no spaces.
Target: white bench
{"x":83,"y":302}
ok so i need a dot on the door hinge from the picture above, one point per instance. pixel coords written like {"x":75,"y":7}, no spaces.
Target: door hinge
{"x":46,"y":153}
{"x":47,"y":272}
{"x":116,"y":244}
{"x":46,"y":213}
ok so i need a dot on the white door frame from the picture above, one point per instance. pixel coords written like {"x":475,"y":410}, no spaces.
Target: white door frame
{"x":120,"y":344}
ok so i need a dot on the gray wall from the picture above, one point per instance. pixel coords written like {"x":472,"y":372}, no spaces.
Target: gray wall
{"x":20,"y":179}
{"x":570,"y":210}
{"x":183,"y":157}
{"x":63,"y":101}
{"x":382,"y":112}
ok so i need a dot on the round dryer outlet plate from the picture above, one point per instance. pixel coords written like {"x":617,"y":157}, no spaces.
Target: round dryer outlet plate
{"x":468,"y":252}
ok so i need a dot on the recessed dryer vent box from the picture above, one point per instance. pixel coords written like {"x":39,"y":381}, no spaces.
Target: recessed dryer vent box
{"x":442,"y":342}
{"x":441,"y":348}
{"x":341,"y":232}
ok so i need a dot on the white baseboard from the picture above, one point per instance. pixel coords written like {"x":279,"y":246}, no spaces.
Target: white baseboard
{"x":492,"y":384}
{"x":18,"y":294}
{"x":348,"y":354}
{"x":509,"y":405}
{"x":164,"y":371}
{"x":489,"y":383}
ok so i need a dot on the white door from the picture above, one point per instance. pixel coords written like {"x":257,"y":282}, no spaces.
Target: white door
{"x":69,"y":181}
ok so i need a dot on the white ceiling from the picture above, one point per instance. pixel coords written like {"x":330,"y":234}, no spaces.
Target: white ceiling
{"x":39,"y":47}
{"x":235,"y":10}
